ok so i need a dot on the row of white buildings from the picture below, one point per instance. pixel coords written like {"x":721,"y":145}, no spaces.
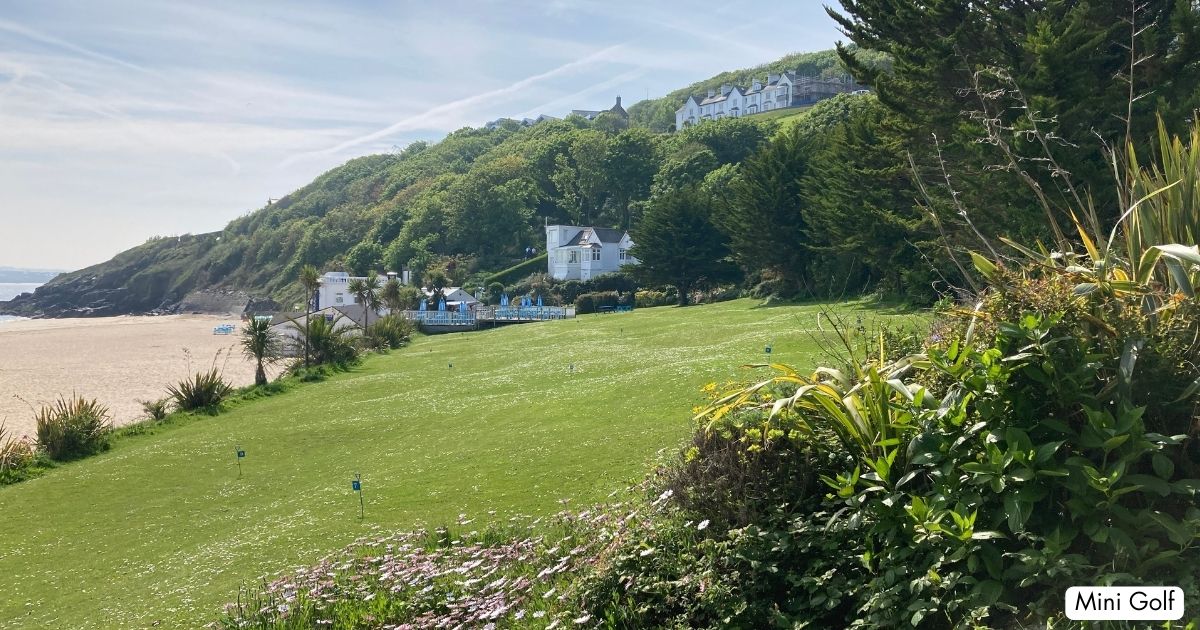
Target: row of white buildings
{"x":780,"y":91}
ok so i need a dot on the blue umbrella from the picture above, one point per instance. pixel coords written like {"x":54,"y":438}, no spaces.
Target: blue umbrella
{"x":421,"y":306}
{"x":442,"y":304}
{"x":539,"y":301}
{"x":503,"y":299}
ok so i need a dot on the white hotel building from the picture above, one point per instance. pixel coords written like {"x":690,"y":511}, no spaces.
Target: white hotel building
{"x":779,"y":92}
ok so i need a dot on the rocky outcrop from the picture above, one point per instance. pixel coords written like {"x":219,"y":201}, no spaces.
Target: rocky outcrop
{"x":160,"y":276}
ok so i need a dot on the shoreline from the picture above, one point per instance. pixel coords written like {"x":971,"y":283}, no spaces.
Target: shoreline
{"x":118,"y":360}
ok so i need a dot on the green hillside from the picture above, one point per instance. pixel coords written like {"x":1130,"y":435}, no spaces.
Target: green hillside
{"x":161,"y":528}
{"x":478,"y":198}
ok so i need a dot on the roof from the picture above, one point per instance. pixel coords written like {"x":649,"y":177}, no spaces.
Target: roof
{"x":354,"y":312}
{"x":603,"y":235}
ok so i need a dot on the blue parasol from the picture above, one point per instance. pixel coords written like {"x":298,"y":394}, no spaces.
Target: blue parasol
{"x":442,"y":304}
{"x":421,"y":306}
{"x":539,"y":301}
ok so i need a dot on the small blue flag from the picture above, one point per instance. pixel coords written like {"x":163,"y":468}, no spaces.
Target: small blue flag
{"x":241,"y":454}
{"x":767,"y":350}
{"x":356,"y":485}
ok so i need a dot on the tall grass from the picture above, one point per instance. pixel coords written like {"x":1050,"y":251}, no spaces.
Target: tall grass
{"x":15,"y":455}
{"x":201,"y":391}
{"x":71,"y":428}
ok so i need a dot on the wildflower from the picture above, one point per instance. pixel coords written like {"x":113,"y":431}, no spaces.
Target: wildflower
{"x":539,"y":614}
{"x":702,"y":526}
{"x":646,"y":552}
{"x":582,"y":620}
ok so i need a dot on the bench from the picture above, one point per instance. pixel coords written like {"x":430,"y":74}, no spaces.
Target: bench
{"x":605,"y":309}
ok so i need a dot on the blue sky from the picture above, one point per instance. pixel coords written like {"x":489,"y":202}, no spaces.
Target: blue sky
{"x":121,"y":119}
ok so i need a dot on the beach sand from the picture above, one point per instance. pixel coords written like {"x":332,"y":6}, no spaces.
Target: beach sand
{"x":118,"y":360}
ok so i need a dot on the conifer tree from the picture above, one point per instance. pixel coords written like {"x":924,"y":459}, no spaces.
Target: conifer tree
{"x":676,"y":243}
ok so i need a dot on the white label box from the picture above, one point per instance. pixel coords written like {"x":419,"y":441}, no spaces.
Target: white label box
{"x":1124,"y":603}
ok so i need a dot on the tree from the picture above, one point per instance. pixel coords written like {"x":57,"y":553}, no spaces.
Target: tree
{"x":764,"y":218}
{"x":390,"y":295}
{"x":677,"y":243}
{"x":863,"y":225}
{"x":629,"y":166}
{"x":1086,"y":73}
{"x":363,"y":257}
{"x":366,"y":293}
{"x":261,"y":343}
{"x":310,"y":281}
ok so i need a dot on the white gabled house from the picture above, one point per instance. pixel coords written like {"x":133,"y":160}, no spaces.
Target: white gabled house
{"x":582,"y":253}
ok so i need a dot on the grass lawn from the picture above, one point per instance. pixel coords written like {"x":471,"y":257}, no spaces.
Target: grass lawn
{"x":162,"y":528}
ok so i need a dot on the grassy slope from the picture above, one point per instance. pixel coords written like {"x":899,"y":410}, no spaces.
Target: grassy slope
{"x":162,"y":529}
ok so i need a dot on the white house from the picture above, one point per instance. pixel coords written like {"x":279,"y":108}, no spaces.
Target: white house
{"x":455,"y":296}
{"x":582,"y":253}
{"x":778,"y":92}
{"x":334,"y":289}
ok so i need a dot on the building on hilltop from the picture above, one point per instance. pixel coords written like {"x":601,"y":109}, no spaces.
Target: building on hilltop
{"x":780,"y":91}
{"x":524,"y":122}
{"x":582,"y":253}
{"x":591,"y":115}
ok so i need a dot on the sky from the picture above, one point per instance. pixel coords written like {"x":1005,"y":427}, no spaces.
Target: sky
{"x":121,"y":120}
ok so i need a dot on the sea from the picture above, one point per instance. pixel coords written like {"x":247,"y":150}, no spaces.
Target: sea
{"x":10,"y":290}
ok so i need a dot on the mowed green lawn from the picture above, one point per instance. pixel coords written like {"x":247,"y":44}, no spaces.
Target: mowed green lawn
{"x":162,"y":529}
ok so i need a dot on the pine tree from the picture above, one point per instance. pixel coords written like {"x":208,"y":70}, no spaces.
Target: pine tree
{"x":676,"y":243}
{"x":764,"y":217}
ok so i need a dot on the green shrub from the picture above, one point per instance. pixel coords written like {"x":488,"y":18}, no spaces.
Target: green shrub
{"x":201,"y":391}
{"x":71,"y":428}
{"x":17,"y":456}
{"x":329,"y":343}
{"x":518,"y":271}
{"x":591,"y":302}
{"x":156,"y":409}
{"x":648,"y":299}
{"x":389,"y":332}
{"x":1045,"y":396}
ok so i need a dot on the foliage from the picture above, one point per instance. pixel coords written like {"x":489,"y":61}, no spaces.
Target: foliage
{"x":203,"y":391}
{"x":156,"y":410}
{"x":649,"y":298}
{"x":17,"y":457}
{"x":1030,"y":67}
{"x":678,"y":244}
{"x":763,"y":199}
{"x":329,"y":341}
{"x":389,"y":332}
{"x":366,"y":293}
{"x":518,"y":271}
{"x":592,"y":302}
{"x":1050,"y":409}
{"x":262,"y":344}
{"x":71,"y":428}
{"x":504,"y":575}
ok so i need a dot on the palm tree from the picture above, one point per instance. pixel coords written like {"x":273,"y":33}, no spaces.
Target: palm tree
{"x":366,"y":293}
{"x":391,"y":295}
{"x":310,"y":280}
{"x":261,"y":343}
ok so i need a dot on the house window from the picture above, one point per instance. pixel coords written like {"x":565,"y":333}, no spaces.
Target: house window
{"x":338,"y":299}
{"x":624,"y":254}
{"x":595,"y":253}
{"x":574,"y":257}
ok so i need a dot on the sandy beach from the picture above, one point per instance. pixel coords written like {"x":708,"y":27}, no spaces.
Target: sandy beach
{"x":118,"y":360}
